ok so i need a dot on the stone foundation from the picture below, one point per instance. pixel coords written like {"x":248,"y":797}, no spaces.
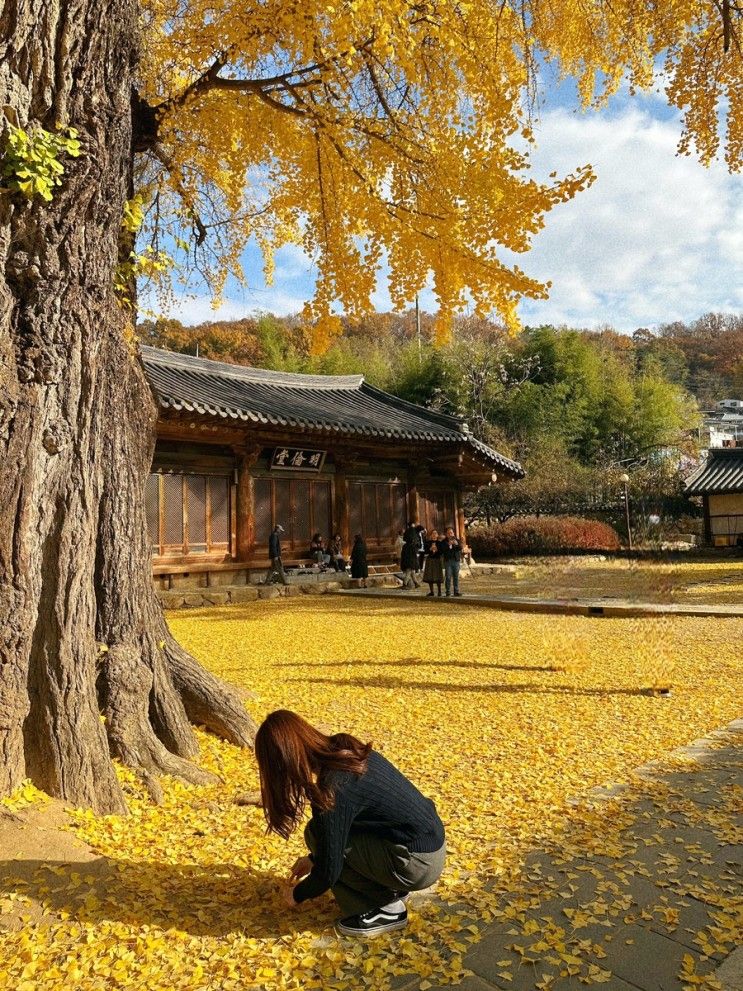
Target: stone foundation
{"x":199,"y":598}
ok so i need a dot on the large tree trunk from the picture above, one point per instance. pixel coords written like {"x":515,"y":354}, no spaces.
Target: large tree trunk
{"x":76,"y":433}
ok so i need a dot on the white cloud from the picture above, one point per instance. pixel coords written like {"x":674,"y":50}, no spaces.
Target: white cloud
{"x":656,"y":238}
{"x":292,"y":263}
{"x":192,"y":310}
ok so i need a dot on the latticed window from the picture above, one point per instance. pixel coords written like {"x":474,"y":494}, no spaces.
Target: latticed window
{"x":152,"y":508}
{"x":188,"y":514}
{"x":219,"y":515}
{"x":377,"y":510}
{"x":302,"y":506}
{"x":194,"y":504}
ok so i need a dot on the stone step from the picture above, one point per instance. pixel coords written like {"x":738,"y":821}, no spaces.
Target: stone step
{"x":200,"y":598}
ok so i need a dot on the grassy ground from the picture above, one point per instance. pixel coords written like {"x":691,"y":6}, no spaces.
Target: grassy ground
{"x":500,"y":718}
{"x":691,"y":581}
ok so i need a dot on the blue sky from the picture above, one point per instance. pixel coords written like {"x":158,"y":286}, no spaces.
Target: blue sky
{"x":657,"y":238}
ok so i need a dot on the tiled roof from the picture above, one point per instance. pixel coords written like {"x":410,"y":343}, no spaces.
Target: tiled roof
{"x":721,"y":472}
{"x":340,"y":404}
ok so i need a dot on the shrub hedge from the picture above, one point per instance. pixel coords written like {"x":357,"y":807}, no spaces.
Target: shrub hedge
{"x":542,"y":535}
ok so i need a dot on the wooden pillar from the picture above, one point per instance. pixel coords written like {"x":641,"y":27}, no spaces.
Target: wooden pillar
{"x":707,"y":521}
{"x":342,"y":508}
{"x":413,"y":508}
{"x":345,"y":462}
{"x":245,"y":514}
{"x":459,"y":497}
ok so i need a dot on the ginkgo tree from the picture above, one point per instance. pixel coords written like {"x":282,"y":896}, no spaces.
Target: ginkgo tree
{"x":364,"y":131}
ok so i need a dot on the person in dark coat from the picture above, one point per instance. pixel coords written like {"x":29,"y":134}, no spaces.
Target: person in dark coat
{"x":422,"y":541}
{"x":359,"y":566}
{"x":409,"y":559}
{"x":410,"y":533}
{"x":276,"y":571}
{"x":433,"y":569}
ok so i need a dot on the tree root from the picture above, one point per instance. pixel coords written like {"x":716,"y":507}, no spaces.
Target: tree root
{"x":208,"y":701}
{"x":249,"y":798}
{"x":126,"y":684}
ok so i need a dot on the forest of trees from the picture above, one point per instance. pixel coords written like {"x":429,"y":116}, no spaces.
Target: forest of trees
{"x":705,"y":357}
{"x":576,"y":407}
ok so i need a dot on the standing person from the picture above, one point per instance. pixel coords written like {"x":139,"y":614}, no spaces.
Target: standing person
{"x":452,"y":553}
{"x":373,"y":837}
{"x":422,"y":537}
{"x":433,"y":568}
{"x":410,"y":532}
{"x":409,"y":559}
{"x":274,"y":552}
{"x":399,"y":544}
{"x":359,"y":566}
{"x":335,"y":550}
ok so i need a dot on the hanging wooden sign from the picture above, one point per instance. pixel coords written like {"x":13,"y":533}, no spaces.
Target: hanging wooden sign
{"x":297,"y":459}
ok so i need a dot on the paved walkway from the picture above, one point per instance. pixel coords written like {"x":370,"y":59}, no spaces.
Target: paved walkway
{"x":576,"y":607}
{"x":643,"y":891}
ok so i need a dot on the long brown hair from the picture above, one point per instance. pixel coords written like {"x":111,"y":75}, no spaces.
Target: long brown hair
{"x":294,"y":761}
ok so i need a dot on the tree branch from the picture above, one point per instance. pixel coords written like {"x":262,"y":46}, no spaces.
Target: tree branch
{"x":163,"y":157}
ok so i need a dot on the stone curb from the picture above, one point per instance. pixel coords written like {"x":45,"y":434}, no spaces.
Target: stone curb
{"x":730,"y":971}
{"x":579,"y":607}
{"x":697,"y":751}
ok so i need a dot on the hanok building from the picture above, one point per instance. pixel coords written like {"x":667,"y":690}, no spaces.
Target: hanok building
{"x":239,"y":449}
{"x":719,"y":481}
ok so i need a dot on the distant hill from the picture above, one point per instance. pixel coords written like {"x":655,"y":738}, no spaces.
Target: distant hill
{"x":705,"y":356}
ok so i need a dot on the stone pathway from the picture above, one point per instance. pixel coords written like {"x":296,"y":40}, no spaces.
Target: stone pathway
{"x":575,"y":607}
{"x":646,"y":894}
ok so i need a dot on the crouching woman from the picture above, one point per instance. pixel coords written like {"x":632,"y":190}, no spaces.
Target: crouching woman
{"x":372,"y":837}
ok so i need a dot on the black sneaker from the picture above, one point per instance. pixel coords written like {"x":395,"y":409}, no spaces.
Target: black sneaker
{"x":372,"y":923}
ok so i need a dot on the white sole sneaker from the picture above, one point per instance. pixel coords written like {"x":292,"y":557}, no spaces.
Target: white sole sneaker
{"x":371,"y":932}
{"x":373,"y":923}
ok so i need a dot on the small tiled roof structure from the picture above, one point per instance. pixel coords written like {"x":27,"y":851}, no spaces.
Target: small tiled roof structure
{"x":345,"y":405}
{"x":721,"y":473}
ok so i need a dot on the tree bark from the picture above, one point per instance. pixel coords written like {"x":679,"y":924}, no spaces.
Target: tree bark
{"x":76,"y":434}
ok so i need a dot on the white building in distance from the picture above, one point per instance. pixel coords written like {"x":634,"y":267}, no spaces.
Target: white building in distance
{"x":723,"y":426}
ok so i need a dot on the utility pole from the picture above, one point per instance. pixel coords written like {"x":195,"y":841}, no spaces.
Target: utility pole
{"x":624,"y":479}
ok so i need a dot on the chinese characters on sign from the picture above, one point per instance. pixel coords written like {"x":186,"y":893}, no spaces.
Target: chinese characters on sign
{"x":297,"y":459}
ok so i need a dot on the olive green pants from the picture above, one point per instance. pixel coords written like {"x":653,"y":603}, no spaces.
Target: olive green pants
{"x":376,"y":871}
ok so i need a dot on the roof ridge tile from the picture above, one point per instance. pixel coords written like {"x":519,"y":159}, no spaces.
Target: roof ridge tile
{"x":247,"y":373}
